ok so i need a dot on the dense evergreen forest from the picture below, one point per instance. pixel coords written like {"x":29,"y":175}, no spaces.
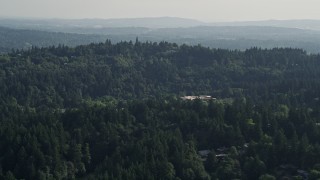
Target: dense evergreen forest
{"x":114,"y":111}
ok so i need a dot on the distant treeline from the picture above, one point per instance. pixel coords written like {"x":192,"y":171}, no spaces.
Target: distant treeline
{"x":25,"y":39}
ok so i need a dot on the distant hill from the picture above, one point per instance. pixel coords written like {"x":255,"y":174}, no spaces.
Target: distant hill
{"x":301,"y":24}
{"x":24,"y":39}
{"x":149,"y":22}
{"x":238,"y":35}
{"x":65,"y":24}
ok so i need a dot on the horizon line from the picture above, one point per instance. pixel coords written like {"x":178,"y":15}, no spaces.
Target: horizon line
{"x":152,"y":17}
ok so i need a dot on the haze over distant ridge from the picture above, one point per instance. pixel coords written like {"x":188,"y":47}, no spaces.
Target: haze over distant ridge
{"x":304,"y":34}
{"x":148,"y":22}
{"x":204,"y":10}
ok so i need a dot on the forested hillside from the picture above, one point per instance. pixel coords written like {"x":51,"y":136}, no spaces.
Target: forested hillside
{"x":114,"y":111}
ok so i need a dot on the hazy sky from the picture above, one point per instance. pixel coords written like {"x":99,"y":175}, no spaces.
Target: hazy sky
{"x":205,"y":10}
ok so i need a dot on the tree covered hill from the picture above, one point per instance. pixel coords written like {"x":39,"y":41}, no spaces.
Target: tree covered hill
{"x":142,"y":70}
{"x":113,"y":111}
